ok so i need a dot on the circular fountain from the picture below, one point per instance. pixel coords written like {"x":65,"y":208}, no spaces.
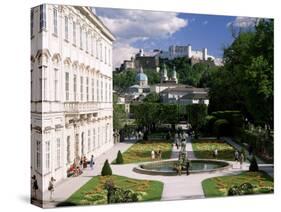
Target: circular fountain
{"x":168,"y":167}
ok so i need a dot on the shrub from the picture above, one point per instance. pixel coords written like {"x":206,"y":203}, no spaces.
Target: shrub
{"x":243,"y":189}
{"x":119,"y":159}
{"x":254,"y":165}
{"x":118,"y":195}
{"x":106,"y":169}
{"x":221,"y":127}
{"x":233,"y":191}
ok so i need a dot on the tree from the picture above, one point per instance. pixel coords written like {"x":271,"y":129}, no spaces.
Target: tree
{"x":119,"y":159}
{"x":152,"y":97}
{"x":106,"y":169}
{"x":254,"y":165}
{"x":196,"y":116}
{"x":247,"y":75}
{"x":119,"y":115}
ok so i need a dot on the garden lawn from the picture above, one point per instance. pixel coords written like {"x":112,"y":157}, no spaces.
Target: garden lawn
{"x":203,"y":149}
{"x":141,"y":151}
{"x":93,"y":192}
{"x":218,"y":186}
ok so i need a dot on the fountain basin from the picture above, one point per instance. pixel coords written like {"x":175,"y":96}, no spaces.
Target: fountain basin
{"x":167,"y":167}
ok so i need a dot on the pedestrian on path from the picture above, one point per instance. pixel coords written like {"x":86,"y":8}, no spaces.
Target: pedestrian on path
{"x":51,"y":188}
{"x":152,"y":155}
{"x":236,"y":156}
{"x":187,"y":166}
{"x":215,"y":153}
{"x":241,"y":159}
{"x":34,"y":186}
{"x":92,"y":162}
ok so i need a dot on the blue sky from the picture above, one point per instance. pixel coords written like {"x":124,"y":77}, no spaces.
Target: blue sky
{"x":135,"y":29}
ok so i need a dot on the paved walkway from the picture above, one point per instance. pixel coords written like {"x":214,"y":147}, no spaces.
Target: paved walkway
{"x":64,"y":189}
{"x":268,"y":168}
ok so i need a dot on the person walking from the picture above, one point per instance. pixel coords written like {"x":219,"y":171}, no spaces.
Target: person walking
{"x":241,"y":160}
{"x":34,"y":186}
{"x":51,"y":188}
{"x":92,"y":162}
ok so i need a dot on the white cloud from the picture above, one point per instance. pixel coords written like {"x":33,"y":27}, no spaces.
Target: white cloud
{"x":121,"y":52}
{"x":130,"y":26}
{"x":205,"y":22}
{"x":243,"y":22}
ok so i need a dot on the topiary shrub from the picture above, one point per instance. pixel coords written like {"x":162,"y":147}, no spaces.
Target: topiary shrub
{"x":106,"y":169}
{"x":119,"y":159}
{"x":254,"y":165}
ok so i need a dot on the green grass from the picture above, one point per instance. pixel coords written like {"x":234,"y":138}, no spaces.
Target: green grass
{"x":141,"y":151}
{"x":93,"y":193}
{"x":218,"y":186}
{"x":204,"y":149}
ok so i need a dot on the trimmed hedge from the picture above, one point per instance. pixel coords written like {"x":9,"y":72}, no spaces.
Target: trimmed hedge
{"x":221,"y":128}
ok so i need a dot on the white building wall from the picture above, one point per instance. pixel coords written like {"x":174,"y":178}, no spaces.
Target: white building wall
{"x":56,"y":113}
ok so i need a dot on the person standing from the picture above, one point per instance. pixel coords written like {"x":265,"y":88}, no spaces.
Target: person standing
{"x":216,"y":153}
{"x":92,"y":162}
{"x":34,"y":185}
{"x":187,"y":166}
{"x":236,"y":156}
{"x":152,"y":155}
{"x":51,"y":188}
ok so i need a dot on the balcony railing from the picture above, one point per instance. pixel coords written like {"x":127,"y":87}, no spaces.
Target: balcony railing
{"x":84,"y":107}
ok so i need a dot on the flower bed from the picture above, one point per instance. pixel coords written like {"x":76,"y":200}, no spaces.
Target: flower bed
{"x":204,"y":149}
{"x":219,"y":186}
{"x":94,"y":192}
{"x":141,"y":151}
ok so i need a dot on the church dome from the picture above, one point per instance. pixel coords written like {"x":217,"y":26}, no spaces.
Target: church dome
{"x":141,"y":77}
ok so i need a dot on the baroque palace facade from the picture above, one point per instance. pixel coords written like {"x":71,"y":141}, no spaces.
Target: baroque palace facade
{"x":71,"y":89}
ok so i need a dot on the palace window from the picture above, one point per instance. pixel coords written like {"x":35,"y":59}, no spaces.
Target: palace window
{"x":47,"y":156}
{"x":81,"y":41}
{"x":109,"y":60}
{"x":89,"y":140}
{"x":97,"y":49}
{"x":98,"y":137}
{"x":43,"y":83}
{"x":66,"y":27}
{"x":42,"y":17}
{"x":93,"y":89}
{"x":94,"y":138}
{"x":66,"y":86}
{"x":31,"y":22}
{"x":101,"y":58}
{"x":81,"y":88}
{"x":56,"y":81}
{"x":86,"y":35}
{"x":74,"y":33}
{"x":75,"y":86}
{"x":55,"y":19}
{"x":58,"y":152}
{"x":38,"y":155}
{"x":106,"y":91}
{"x":105,"y":57}
{"x":101,"y":90}
{"x":98,"y":96}
{"x":92,"y":45}
{"x":68,"y":149}
{"x":87,"y":88}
